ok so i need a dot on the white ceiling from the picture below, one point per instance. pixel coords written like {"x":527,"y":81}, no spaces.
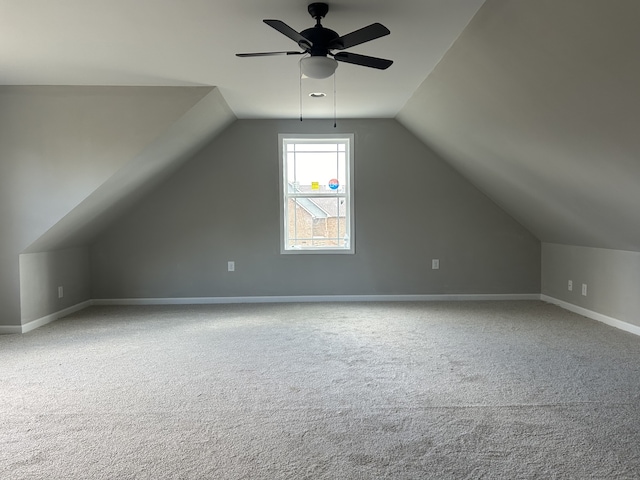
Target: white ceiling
{"x":193,"y":42}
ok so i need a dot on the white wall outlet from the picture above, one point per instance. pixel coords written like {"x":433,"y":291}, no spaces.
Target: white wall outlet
{"x":570,"y":286}
{"x":435,"y":264}
{"x":584,"y":289}
{"x":60,"y":292}
{"x":231,"y":266}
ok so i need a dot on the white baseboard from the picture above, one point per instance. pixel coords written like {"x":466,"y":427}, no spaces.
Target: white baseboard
{"x":27,"y":327}
{"x":312,"y":298}
{"x":10,"y":329}
{"x":613,"y":322}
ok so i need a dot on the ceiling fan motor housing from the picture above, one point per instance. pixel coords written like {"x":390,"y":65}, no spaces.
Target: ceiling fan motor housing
{"x":321,"y":39}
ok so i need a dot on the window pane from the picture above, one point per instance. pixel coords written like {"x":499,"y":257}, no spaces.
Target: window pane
{"x":316,"y":147}
{"x":317,"y":171}
{"x":300,"y":224}
{"x":318,"y":222}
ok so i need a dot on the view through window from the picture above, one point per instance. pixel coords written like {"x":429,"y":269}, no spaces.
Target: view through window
{"x":315,"y":188}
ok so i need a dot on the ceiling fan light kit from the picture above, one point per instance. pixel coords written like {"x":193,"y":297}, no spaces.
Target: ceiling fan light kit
{"x":318,"y":67}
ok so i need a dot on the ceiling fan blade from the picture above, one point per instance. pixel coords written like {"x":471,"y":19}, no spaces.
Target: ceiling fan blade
{"x":289,"y":32}
{"x":365,"y":34}
{"x":365,"y":61}
{"x":267,"y":54}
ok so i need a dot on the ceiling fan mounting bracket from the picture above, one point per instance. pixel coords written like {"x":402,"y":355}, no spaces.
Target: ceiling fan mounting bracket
{"x":318,"y":10}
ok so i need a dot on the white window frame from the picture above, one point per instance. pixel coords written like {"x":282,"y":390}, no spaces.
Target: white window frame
{"x":283,"y":139}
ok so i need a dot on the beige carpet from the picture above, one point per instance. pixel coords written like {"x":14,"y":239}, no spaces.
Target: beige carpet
{"x":466,"y":390}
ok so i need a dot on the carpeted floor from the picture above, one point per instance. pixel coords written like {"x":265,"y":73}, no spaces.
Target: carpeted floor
{"x":466,"y":390}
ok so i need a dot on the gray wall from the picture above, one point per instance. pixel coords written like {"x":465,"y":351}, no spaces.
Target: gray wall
{"x":42,"y":273}
{"x":223,"y":205}
{"x":612,"y":278}
{"x":61,"y":144}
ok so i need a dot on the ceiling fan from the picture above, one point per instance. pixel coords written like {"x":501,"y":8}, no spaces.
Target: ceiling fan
{"x":318,"y":42}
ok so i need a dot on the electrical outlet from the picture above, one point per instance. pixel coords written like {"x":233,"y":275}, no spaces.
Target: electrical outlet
{"x":60,"y":292}
{"x":570,"y":286}
{"x":435,"y":264}
{"x":584,"y":289}
{"x":231,"y":266}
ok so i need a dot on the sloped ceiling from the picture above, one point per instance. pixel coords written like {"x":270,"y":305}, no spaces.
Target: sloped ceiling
{"x":538,"y":104}
{"x":536,"y":101}
{"x":156,"y":161}
{"x":58,"y":144}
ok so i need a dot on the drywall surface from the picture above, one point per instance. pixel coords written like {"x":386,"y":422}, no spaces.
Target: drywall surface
{"x":41,"y":275}
{"x":223,"y":205}
{"x":59,"y":144}
{"x":537,"y":104}
{"x":612,"y":278}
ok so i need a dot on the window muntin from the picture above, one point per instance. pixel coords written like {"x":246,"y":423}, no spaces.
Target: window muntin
{"x":316,"y":193}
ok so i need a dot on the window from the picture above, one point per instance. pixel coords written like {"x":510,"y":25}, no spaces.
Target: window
{"x":316,"y":194}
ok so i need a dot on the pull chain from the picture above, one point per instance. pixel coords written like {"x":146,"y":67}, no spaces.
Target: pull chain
{"x":334,"y":100}
{"x":300,"y":65}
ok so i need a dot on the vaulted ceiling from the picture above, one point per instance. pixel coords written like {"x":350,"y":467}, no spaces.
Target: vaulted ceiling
{"x":535,"y":101}
{"x":538,"y":104}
